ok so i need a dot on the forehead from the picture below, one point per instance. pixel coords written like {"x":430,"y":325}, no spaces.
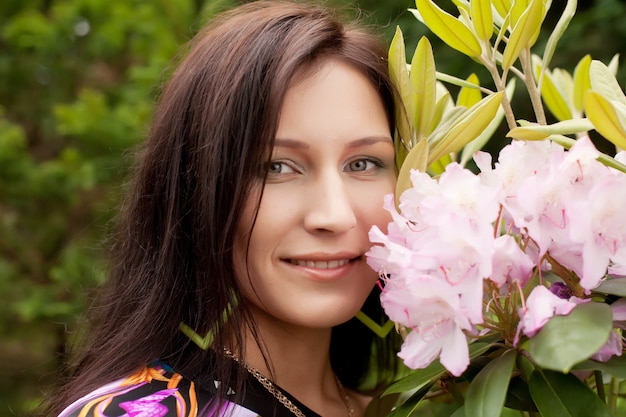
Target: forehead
{"x":334,"y":100}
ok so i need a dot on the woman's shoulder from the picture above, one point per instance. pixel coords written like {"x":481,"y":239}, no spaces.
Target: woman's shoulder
{"x":155,"y":391}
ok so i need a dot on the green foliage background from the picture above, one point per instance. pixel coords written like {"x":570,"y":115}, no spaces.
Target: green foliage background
{"x":78,"y":79}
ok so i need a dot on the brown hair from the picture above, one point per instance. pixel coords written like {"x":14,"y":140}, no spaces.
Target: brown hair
{"x":212,"y":132}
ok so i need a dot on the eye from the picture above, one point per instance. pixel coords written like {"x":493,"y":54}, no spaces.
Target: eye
{"x":278,"y":168}
{"x":363,"y":164}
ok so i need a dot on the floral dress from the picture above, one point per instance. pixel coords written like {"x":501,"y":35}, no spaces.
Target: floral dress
{"x":158,"y":391}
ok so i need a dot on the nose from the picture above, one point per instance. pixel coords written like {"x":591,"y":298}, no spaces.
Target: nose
{"x":330,"y":206}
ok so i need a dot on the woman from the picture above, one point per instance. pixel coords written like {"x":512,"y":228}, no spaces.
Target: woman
{"x":239,"y":261}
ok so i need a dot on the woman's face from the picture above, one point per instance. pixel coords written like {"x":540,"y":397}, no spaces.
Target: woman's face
{"x":332,"y":163}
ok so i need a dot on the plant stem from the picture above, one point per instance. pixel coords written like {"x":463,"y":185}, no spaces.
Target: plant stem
{"x":613,"y":394}
{"x":533,"y":91}
{"x":500,"y":83}
{"x":453,"y":389}
{"x":599,"y":385}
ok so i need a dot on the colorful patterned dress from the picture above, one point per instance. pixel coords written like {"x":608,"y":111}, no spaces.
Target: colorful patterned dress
{"x":158,"y":391}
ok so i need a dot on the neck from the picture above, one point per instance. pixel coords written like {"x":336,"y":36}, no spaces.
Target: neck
{"x":299,"y":362}
{"x":296,"y":356}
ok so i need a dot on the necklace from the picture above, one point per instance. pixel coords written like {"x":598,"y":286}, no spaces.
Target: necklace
{"x":278,"y":394}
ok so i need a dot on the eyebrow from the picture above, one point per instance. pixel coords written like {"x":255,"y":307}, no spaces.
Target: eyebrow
{"x":369,"y":140}
{"x":296,"y":144}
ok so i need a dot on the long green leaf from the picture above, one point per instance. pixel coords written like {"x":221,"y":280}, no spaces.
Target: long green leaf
{"x":517,"y":9}
{"x":482,"y":19}
{"x":459,"y":412}
{"x":468,"y":96}
{"x":478,"y":143}
{"x":473,"y":122}
{"x":419,"y":377}
{"x":567,"y":340}
{"x":603,"y":81}
{"x":400,"y":78}
{"x":487,"y":392}
{"x":564,"y":395}
{"x":614,"y":64}
{"x":416,"y":379}
{"x":605,"y":118}
{"x":616,"y":366}
{"x":416,"y":159}
{"x":518,"y":395}
{"x":410,"y":404}
{"x":450,"y":79}
{"x":423,"y":88}
{"x":448,"y":28}
{"x":502,"y":7}
{"x":614,"y":286}
{"x":582,"y":82}
{"x":556,"y":99}
{"x":524,"y":33}
{"x":557,"y":32}
{"x":568,"y":142}
{"x":541,"y":132}
{"x":443,"y":104}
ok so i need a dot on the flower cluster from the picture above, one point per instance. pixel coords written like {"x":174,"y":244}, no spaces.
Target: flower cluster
{"x":503,"y":251}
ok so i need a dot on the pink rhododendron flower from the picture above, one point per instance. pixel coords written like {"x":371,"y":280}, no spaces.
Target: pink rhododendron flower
{"x":452,"y":233}
{"x":436,"y":315}
{"x":510,"y":262}
{"x":612,"y":347}
{"x":619,"y":309}
{"x":541,"y":306}
{"x":602,"y":230}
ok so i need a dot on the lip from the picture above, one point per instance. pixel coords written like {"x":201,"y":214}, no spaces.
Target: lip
{"x":323,"y":267}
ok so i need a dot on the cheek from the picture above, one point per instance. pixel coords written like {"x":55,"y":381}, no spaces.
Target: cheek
{"x":372,"y":203}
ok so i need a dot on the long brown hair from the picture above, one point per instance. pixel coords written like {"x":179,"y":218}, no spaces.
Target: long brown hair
{"x":213,"y":131}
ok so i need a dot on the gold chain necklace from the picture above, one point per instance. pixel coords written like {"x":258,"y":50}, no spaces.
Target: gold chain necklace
{"x":278,"y":394}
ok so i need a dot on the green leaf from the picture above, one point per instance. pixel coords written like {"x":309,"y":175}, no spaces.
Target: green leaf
{"x":603,"y":81}
{"x":435,"y":370}
{"x":540,"y":132}
{"x":410,"y":404}
{"x":502,"y":7}
{"x":482,"y":19}
{"x":558,"y":31}
{"x":487,"y":392}
{"x":568,"y":142}
{"x":567,"y":340}
{"x":443,"y":104}
{"x":471,"y":124}
{"x":448,"y":28}
{"x":478,"y":143}
{"x":582,"y":82}
{"x":423,"y":88}
{"x":614,"y":64}
{"x":556,"y":99}
{"x":564,"y":395}
{"x":518,"y":395}
{"x":468,"y":96}
{"x":400,"y":78}
{"x":518,"y":7}
{"x":524,"y":33}
{"x":614,"y":286}
{"x":416,"y":379}
{"x":450,"y":79}
{"x":605,"y":118}
{"x":459,"y":412}
{"x":616,"y":366}
{"x":439,"y":166}
{"x":416,"y":159}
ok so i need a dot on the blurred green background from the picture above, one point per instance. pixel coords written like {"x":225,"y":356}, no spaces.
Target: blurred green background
{"x":78,"y":79}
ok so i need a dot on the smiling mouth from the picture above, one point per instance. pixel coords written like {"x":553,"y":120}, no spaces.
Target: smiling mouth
{"x":335,"y":263}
